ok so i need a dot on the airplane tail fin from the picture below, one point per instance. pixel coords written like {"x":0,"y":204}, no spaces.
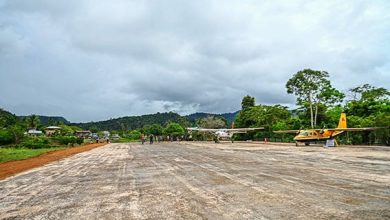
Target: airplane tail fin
{"x":342,"y":121}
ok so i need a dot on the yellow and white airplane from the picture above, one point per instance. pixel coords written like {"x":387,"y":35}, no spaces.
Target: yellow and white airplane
{"x":311,"y":135}
{"x":223,"y":133}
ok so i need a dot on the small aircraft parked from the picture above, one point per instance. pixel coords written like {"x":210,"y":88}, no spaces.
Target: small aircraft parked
{"x":224,"y":133}
{"x":307,"y":136}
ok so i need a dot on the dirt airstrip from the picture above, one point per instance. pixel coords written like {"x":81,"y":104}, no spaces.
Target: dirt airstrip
{"x":205,"y":181}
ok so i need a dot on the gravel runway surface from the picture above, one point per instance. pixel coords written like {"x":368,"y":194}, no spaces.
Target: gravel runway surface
{"x":198,"y":180}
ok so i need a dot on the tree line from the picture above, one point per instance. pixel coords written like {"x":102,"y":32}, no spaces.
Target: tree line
{"x":319,"y":106}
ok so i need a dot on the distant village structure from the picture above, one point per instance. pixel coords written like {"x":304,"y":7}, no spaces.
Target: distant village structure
{"x":83,"y":134}
{"x":34,"y":132}
{"x":115,"y":137}
{"x":51,"y":130}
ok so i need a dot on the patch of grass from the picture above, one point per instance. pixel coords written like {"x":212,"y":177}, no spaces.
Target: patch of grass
{"x":10,"y":154}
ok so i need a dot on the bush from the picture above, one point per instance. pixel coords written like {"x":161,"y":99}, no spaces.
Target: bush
{"x":36,"y":143}
{"x":174,"y":129}
{"x":6,"y":137}
{"x":79,"y":140}
{"x":134,"y":135}
{"x":65,"y":140}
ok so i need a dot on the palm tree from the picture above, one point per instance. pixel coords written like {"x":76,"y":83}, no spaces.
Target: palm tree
{"x":33,"y":121}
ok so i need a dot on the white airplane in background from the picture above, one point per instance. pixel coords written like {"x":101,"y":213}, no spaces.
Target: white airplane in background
{"x":224,"y":133}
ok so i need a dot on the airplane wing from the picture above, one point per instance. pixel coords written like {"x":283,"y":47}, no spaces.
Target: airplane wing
{"x":287,"y":132}
{"x":355,"y":129}
{"x":203,"y":129}
{"x":243,"y":129}
{"x":234,"y":130}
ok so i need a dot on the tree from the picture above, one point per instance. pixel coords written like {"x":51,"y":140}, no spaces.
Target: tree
{"x":67,"y":130}
{"x":263,"y":116}
{"x":51,"y":122}
{"x":33,"y":121}
{"x":135,"y":135}
{"x":155,"y":129}
{"x":367,"y":92}
{"x":212,"y":122}
{"x":383,"y":135}
{"x":7,"y":118}
{"x":370,"y":107}
{"x":314,"y":88}
{"x":6,"y":137}
{"x":146,"y":129}
{"x":247,"y":102}
{"x":173,"y":129}
{"x":93,"y":129}
{"x":17,"y":131}
{"x":368,"y":100}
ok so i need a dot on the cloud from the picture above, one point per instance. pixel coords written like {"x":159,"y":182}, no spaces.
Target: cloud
{"x":89,"y":60}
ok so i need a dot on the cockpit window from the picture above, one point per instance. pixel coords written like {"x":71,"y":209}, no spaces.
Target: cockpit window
{"x":303,"y":133}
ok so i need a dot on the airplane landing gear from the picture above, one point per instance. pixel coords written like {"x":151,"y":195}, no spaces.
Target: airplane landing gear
{"x":307,"y":143}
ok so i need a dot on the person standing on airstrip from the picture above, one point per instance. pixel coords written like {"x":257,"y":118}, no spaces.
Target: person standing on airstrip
{"x":151,"y":138}
{"x":142,"y":139}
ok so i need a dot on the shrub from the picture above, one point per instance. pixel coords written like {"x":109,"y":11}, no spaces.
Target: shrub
{"x":134,"y":135}
{"x":174,"y":129}
{"x":6,"y":137}
{"x":36,"y":143}
{"x":79,"y":140}
{"x":65,"y":140}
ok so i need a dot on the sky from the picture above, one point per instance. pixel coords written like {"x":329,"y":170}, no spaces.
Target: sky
{"x":94,"y":60}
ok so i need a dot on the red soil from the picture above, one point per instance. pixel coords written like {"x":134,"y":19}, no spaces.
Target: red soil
{"x":13,"y":167}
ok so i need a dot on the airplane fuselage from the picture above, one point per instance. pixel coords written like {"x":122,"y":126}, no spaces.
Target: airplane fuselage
{"x":223,"y":134}
{"x":314,"y":135}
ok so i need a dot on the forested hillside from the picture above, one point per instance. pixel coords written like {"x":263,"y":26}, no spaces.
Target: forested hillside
{"x":49,"y":120}
{"x":199,"y":115}
{"x":134,"y":122}
{"x":7,"y":118}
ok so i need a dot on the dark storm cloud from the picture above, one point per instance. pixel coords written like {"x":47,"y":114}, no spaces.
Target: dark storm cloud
{"x":91,"y":60}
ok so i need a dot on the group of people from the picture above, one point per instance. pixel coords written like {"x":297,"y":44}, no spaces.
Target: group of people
{"x":151,"y":139}
{"x":107,"y":140}
{"x":158,"y":138}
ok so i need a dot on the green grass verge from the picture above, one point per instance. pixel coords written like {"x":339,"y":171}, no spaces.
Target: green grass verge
{"x":10,"y":154}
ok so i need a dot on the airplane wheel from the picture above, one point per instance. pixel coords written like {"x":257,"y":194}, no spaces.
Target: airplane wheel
{"x":307,"y":144}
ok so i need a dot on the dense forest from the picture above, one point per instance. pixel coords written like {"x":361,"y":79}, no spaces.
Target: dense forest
{"x":134,"y":122}
{"x":319,"y":106}
{"x":7,"y":118}
{"x":138,"y":122}
{"x":229,"y":117}
{"x":49,"y":120}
